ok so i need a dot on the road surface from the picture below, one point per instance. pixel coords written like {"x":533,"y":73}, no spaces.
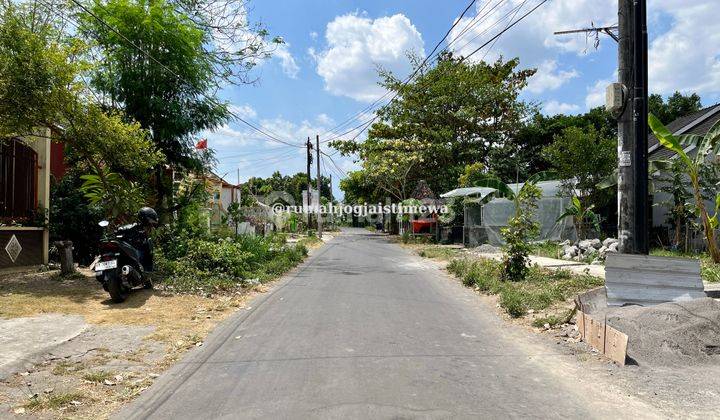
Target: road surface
{"x":364,"y":329}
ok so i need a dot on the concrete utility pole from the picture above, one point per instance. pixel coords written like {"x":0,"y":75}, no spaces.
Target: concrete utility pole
{"x":640,"y":119}
{"x":319,"y":184}
{"x":628,"y":101}
{"x":633,"y":208}
{"x":309,"y":147}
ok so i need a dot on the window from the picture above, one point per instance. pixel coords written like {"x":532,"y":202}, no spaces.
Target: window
{"x":18,"y":180}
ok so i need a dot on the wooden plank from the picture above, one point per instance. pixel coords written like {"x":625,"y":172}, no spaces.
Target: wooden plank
{"x":581,"y":324}
{"x":595,"y":333}
{"x":615,"y":345}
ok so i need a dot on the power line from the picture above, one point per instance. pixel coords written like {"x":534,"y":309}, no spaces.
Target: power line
{"x":494,"y":24}
{"x":288,"y":153}
{"x":507,"y":28}
{"x":257,"y":152}
{"x":511,"y":19}
{"x":412,"y":75}
{"x":364,"y":125}
{"x":179,"y":77}
{"x":335,"y":164}
{"x":477,"y":19}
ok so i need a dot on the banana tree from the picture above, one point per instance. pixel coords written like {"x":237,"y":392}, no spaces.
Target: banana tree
{"x":581,"y":216}
{"x":707,"y":145}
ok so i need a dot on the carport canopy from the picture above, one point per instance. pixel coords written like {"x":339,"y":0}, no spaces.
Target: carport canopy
{"x":478,"y":192}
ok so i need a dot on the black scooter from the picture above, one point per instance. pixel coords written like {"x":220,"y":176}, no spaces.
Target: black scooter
{"x":124,"y":262}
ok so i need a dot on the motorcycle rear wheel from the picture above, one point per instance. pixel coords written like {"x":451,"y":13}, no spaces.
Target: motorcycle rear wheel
{"x":116,"y":288}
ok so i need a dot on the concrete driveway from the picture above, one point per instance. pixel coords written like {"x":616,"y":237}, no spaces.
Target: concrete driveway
{"x":363,"y":330}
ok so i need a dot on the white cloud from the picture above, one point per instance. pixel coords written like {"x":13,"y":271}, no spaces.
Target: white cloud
{"x":533,"y":39}
{"x":357,"y":45}
{"x":596,"y":93}
{"x":313,"y":35}
{"x":555,"y":107}
{"x":287,"y":61}
{"x":548,"y":77}
{"x":687,"y":56}
{"x":324,"y":119}
{"x":226,"y":136}
{"x":243,"y":111}
{"x":684,"y":51}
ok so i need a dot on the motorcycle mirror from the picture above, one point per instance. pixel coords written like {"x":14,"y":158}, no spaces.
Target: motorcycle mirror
{"x":103,"y":223}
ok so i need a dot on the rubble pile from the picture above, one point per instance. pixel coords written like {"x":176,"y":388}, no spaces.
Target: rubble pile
{"x":589,"y":248}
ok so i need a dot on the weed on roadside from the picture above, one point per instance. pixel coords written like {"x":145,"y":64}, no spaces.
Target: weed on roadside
{"x":54,"y":401}
{"x":438,"y":252}
{"x":541,"y":288}
{"x":98,"y":376}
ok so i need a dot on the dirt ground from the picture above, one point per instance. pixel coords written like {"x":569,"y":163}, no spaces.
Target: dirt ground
{"x":119,"y":354}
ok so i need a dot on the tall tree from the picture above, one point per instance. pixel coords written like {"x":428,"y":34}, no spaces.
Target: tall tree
{"x":449,"y":116}
{"x":522,"y":156}
{"x":677,"y":105}
{"x":163,"y":68}
{"x":582,"y":157}
{"x":37,"y":76}
{"x":39,"y":87}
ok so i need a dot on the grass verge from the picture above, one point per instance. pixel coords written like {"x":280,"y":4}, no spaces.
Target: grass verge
{"x":547,"y":249}
{"x":709,"y":271}
{"x":540,"y":290}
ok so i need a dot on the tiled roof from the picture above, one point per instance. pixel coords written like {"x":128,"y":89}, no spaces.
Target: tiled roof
{"x":696,"y":123}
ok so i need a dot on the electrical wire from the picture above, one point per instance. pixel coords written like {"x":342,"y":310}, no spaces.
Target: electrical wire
{"x":262,"y":130}
{"x":363,"y":126}
{"x":507,"y":28}
{"x":412,"y":75}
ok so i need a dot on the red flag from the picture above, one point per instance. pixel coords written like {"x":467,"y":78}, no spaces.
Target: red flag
{"x":202,"y":144}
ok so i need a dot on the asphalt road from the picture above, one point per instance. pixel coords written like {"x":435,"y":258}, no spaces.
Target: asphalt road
{"x":364,"y":329}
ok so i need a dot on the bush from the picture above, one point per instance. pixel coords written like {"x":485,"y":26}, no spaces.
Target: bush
{"x":541,"y":288}
{"x":209,"y":264}
{"x":73,"y":219}
{"x":521,"y":229}
{"x":191,"y":258}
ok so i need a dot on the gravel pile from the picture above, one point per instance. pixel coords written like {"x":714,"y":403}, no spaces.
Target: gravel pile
{"x":675,"y":333}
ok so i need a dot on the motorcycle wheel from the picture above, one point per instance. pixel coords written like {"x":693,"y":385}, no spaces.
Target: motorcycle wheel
{"x":118,"y":291}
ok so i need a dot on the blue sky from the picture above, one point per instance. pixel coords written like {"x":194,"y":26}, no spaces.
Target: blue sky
{"x":326,"y":70}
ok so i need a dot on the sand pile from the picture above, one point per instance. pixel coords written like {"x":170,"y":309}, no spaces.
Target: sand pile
{"x":682,"y":333}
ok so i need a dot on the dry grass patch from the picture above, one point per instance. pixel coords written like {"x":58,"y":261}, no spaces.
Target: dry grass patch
{"x":179,"y":322}
{"x":172,"y":315}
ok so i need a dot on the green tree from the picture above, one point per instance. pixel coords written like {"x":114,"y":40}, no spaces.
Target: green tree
{"x":582,"y":157}
{"x":41,"y":68}
{"x":582,"y":217}
{"x":449,"y":116}
{"x":358,"y":188}
{"x":522,"y":156}
{"x":37,"y":76}
{"x":293,"y":185}
{"x":472,"y":174}
{"x":171,"y":94}
{"x":677,"y":105}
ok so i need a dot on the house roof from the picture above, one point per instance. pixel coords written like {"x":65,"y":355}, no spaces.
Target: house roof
{"x":218,"y":178}
{"x":469,"y":191}
{"x":697,"y":123}
{"x":548,"y":189}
